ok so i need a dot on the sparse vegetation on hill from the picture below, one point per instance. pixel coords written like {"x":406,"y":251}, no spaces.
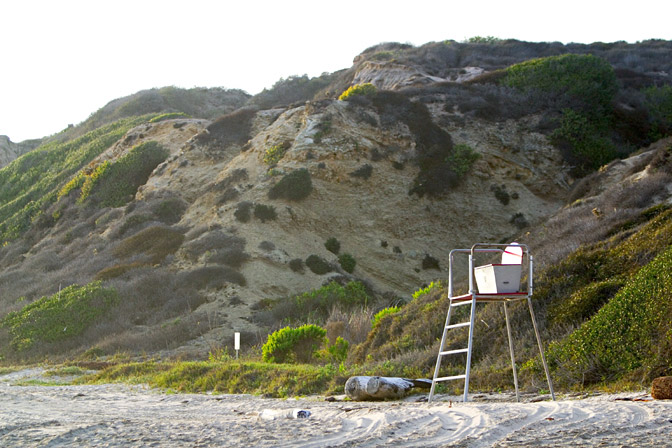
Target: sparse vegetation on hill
{"x":168,"y":270}
{"x":294,"y":186}
{"x":62,"y":316}
{"x":31,"y":183}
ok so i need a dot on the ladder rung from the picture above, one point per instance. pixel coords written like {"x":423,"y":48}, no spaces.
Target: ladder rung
{"x":450,"y":378}
{"x":461,"y":324}
{"x":453,"y":352}
{"x":466,"y":302}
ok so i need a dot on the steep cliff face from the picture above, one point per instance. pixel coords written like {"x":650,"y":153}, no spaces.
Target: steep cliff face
{"x":361,"y":176}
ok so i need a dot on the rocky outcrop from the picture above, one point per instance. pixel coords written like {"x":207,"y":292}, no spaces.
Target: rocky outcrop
{"x":661,"y":388}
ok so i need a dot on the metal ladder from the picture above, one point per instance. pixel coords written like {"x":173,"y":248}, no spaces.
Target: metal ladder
{"x":471,"y":299}
{"x":443,"y":352}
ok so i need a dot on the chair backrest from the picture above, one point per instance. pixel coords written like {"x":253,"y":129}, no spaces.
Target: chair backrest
{"x":513,"y":254}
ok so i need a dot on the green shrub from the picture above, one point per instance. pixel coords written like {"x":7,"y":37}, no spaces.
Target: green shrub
{"x":232,"y":128}
{"x":659,"y":104}
{"x":233,"y":257}
{"x":462,"y":158}
{"x":347,"y":262}
{"x":318,"y":304}
{"x":363,"y":172}
{"x":169,"y":116}
{"x":170,"y":210}
{"x":431,"y":287}
{"x":296,"y":265}
{"x":588,"y":138}
{"x":323,"y":129}
{"x":429,"y":262}
{"x":116,"y":271}
{"x":154,"y":242}
{"x":333,"y":245}
{"x":275,"y":153}
{"x":211,"y":277}
{"x":632,"y":331}
{"x":242,"y":212}
{"x":358,"y":89}
{"x":337,"y":352}
{"x":585,"y":302}
{"x":318,"y":265}
{"x":483,"y":40}
{"x":584,"y":87}
{"x":390,"y":310}
{"x":294,"y":345}
{"x":61,"y":316}
{"x":114,"y":185}
{"x":42,"y":176}
{"x":132,"y":222}
{"x":588,"y":79}
{"x":294,"y":186}
{"x":265,"y":212}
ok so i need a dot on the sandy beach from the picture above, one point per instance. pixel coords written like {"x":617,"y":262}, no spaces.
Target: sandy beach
{"x":135,"y":416}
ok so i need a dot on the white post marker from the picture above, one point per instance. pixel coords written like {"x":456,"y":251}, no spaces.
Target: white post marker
{"x":236,"y":342}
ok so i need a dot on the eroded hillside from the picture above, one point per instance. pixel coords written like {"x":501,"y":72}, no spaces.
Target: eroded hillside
{"x":197,"y":224}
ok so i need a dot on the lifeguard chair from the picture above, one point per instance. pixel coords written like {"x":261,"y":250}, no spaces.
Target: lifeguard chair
{"x":497,"y":283}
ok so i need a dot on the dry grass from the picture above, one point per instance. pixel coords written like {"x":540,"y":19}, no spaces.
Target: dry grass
{"x":152,"y":244}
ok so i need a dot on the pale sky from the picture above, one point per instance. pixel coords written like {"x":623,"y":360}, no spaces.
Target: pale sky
{"x":63,"y":60}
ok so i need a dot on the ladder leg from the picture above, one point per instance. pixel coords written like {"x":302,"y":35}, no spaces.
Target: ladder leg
{"x":438,"y":357}
{"x":513,"y":358}
{"x":469,"y":347}
{"x":541,"y":349}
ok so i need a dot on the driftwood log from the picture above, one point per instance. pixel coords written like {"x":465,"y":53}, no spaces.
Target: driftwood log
{"x":362,"y":388}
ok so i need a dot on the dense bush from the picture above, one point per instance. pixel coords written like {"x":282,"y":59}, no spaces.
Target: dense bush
{"x":168,"y":116}
{"x":212,"y":277}
{"x":462,"y":158}
{"x":659,"y":105}
{"x":233,"y":128}
{"x":275,"y":153}
{"x":631,"y":332}
{"x":296,"y":265}
{"x":583,"y":87}
{"x":243,"y":211}
{"x":115,"y":184}
{"x":434,"y":146}
{"x":587,"y":139}
{"x":265,"y":212}
{"x":233,"y":257}
{"x":318,"y":265}
{"x":347,"y":262}
{"x":294,"y":186}
{"x":32,"y":182}
{"x":211,"y":241}
{"x":316,"y":305}
{"x":169,"y":210}
{"x":390,"y":310}
{"x":154,"y":243}
{"x":429,"y":262}
{"x":291,"y":90}
{"x":61,"y":316}
{"x":294,"y":345}
{"x":585,"y":302}
{"x":587,"y":79}
{"x":358,"y":89}
{"x":363,"y":172}
{"x":333,"y":245}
